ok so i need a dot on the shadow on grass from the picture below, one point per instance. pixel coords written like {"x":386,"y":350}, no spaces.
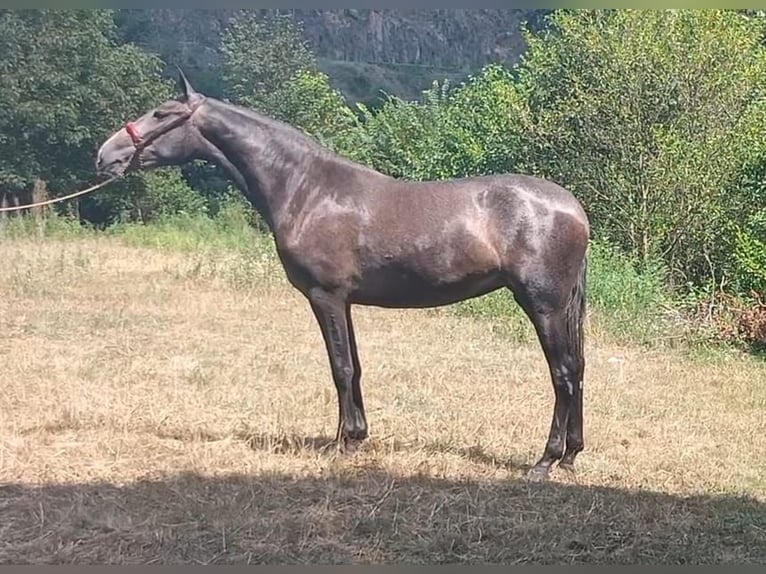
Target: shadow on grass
{"x":363,"y":514}
{"x":292,"y":444}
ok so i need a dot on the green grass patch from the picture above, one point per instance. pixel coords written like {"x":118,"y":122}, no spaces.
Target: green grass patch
{"x":52,"y":227}
{"x":232,"y":228}
{"x":627,"y":304}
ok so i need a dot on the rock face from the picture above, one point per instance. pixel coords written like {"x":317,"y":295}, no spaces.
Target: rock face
{"x":458,"y":39}
{"x":363,"y":51}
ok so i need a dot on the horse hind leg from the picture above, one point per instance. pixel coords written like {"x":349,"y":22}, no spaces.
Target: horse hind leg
{"x":552,"y":335}
{"x":575,"y":322}
{"x":558,"y":322}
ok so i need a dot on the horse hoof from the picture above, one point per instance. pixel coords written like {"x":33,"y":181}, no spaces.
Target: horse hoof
{"x":343,"y":447}
{"x":538,"y":474}
{"x":568,"y":467}
{"x":330,"y":448}
{"x":361,"y":435}
{"x":352,"y":445}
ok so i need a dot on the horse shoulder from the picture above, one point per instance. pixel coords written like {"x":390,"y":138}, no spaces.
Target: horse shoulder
{"x":323,"y":243}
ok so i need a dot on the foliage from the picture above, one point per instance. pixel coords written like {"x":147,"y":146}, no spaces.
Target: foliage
{"x":629,"y":297}
{"x":451,"y":132}
{"x":486,"y":111}
{"x":308,"y":101}
{"x":750,"y":254}
{"x":649,"y":116}
{"x":402,"y":139}
{"x":262,"y":53}
{"x":751,"y":325}
{"x":231,"y":228}
{"x":168,"y":193}
{"x":145,"y":197}
{"x":64,"y":86}
{"x":745,"y":252}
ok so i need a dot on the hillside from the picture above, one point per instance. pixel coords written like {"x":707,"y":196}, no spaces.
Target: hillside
{"x":363,"y":51}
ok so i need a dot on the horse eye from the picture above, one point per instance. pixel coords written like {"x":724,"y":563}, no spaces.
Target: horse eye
{"x":160,"y":114}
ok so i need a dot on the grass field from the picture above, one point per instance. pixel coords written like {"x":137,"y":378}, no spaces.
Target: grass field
{"x":170,"y":406}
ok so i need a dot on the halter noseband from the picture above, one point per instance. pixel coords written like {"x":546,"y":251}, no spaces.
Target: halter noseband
{"x":135,"y":137}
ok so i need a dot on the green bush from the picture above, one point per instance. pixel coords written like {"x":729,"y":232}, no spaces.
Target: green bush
{"x":628,"y":298}
{"x":167,"y":193}
{"x":453,"y":131}
{"x":750,"y":254}
{"x":143,"y":196}
{"x":231,"y":228}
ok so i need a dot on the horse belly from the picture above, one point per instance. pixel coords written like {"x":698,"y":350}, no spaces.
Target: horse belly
{"x":427,"y":278}
{"x":413,"y":294}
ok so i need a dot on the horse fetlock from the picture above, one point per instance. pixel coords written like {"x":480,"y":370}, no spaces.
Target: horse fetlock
{"x":574,"y":447}
{"x":554,"y":450}
{"x":355,"y":427}
{"x":359,"y":433}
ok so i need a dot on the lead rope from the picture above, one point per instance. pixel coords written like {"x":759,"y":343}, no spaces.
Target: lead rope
{"x":139,"y":144}
{"x":63,"y":198}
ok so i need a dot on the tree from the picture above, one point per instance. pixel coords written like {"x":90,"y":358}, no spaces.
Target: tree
{"x":649,"y":116}
{"x":309,"y":102}
{"x":261,"y":54}
{"x":64,"y":86}
{"x":452,"y":132}
{"x":268,"y":67}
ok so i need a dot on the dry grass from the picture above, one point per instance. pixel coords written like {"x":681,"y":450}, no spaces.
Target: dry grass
{"x":153,"y":413}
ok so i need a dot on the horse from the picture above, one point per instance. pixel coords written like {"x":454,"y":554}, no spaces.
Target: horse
{"x":346,"y":234}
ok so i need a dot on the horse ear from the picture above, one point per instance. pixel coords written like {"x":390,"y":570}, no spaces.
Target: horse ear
{"x":186,"y":87}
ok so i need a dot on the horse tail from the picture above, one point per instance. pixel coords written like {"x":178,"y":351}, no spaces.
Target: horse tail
{"x":575,"y":315}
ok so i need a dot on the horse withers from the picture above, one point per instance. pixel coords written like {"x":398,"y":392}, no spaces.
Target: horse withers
{"x":347,"y":234}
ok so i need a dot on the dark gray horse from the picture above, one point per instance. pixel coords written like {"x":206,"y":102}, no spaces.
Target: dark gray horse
{"x":347,"y":234}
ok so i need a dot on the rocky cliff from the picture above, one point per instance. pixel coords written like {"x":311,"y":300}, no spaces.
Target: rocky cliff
{"x":458,"y":39}
{"x":363,"y":51}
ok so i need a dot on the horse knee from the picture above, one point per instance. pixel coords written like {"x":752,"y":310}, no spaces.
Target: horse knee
{"x":344,"y":375}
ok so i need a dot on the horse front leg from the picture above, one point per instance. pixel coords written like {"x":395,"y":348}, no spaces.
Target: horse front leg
{"x":356,"y":380}
{"x":331,"y":312}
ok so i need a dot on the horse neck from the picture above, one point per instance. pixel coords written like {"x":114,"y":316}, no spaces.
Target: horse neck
{"x":273,"y":159}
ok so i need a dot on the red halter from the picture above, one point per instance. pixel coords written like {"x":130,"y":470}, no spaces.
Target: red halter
{"x":141,"y":142}
{"x":132,"y":130}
